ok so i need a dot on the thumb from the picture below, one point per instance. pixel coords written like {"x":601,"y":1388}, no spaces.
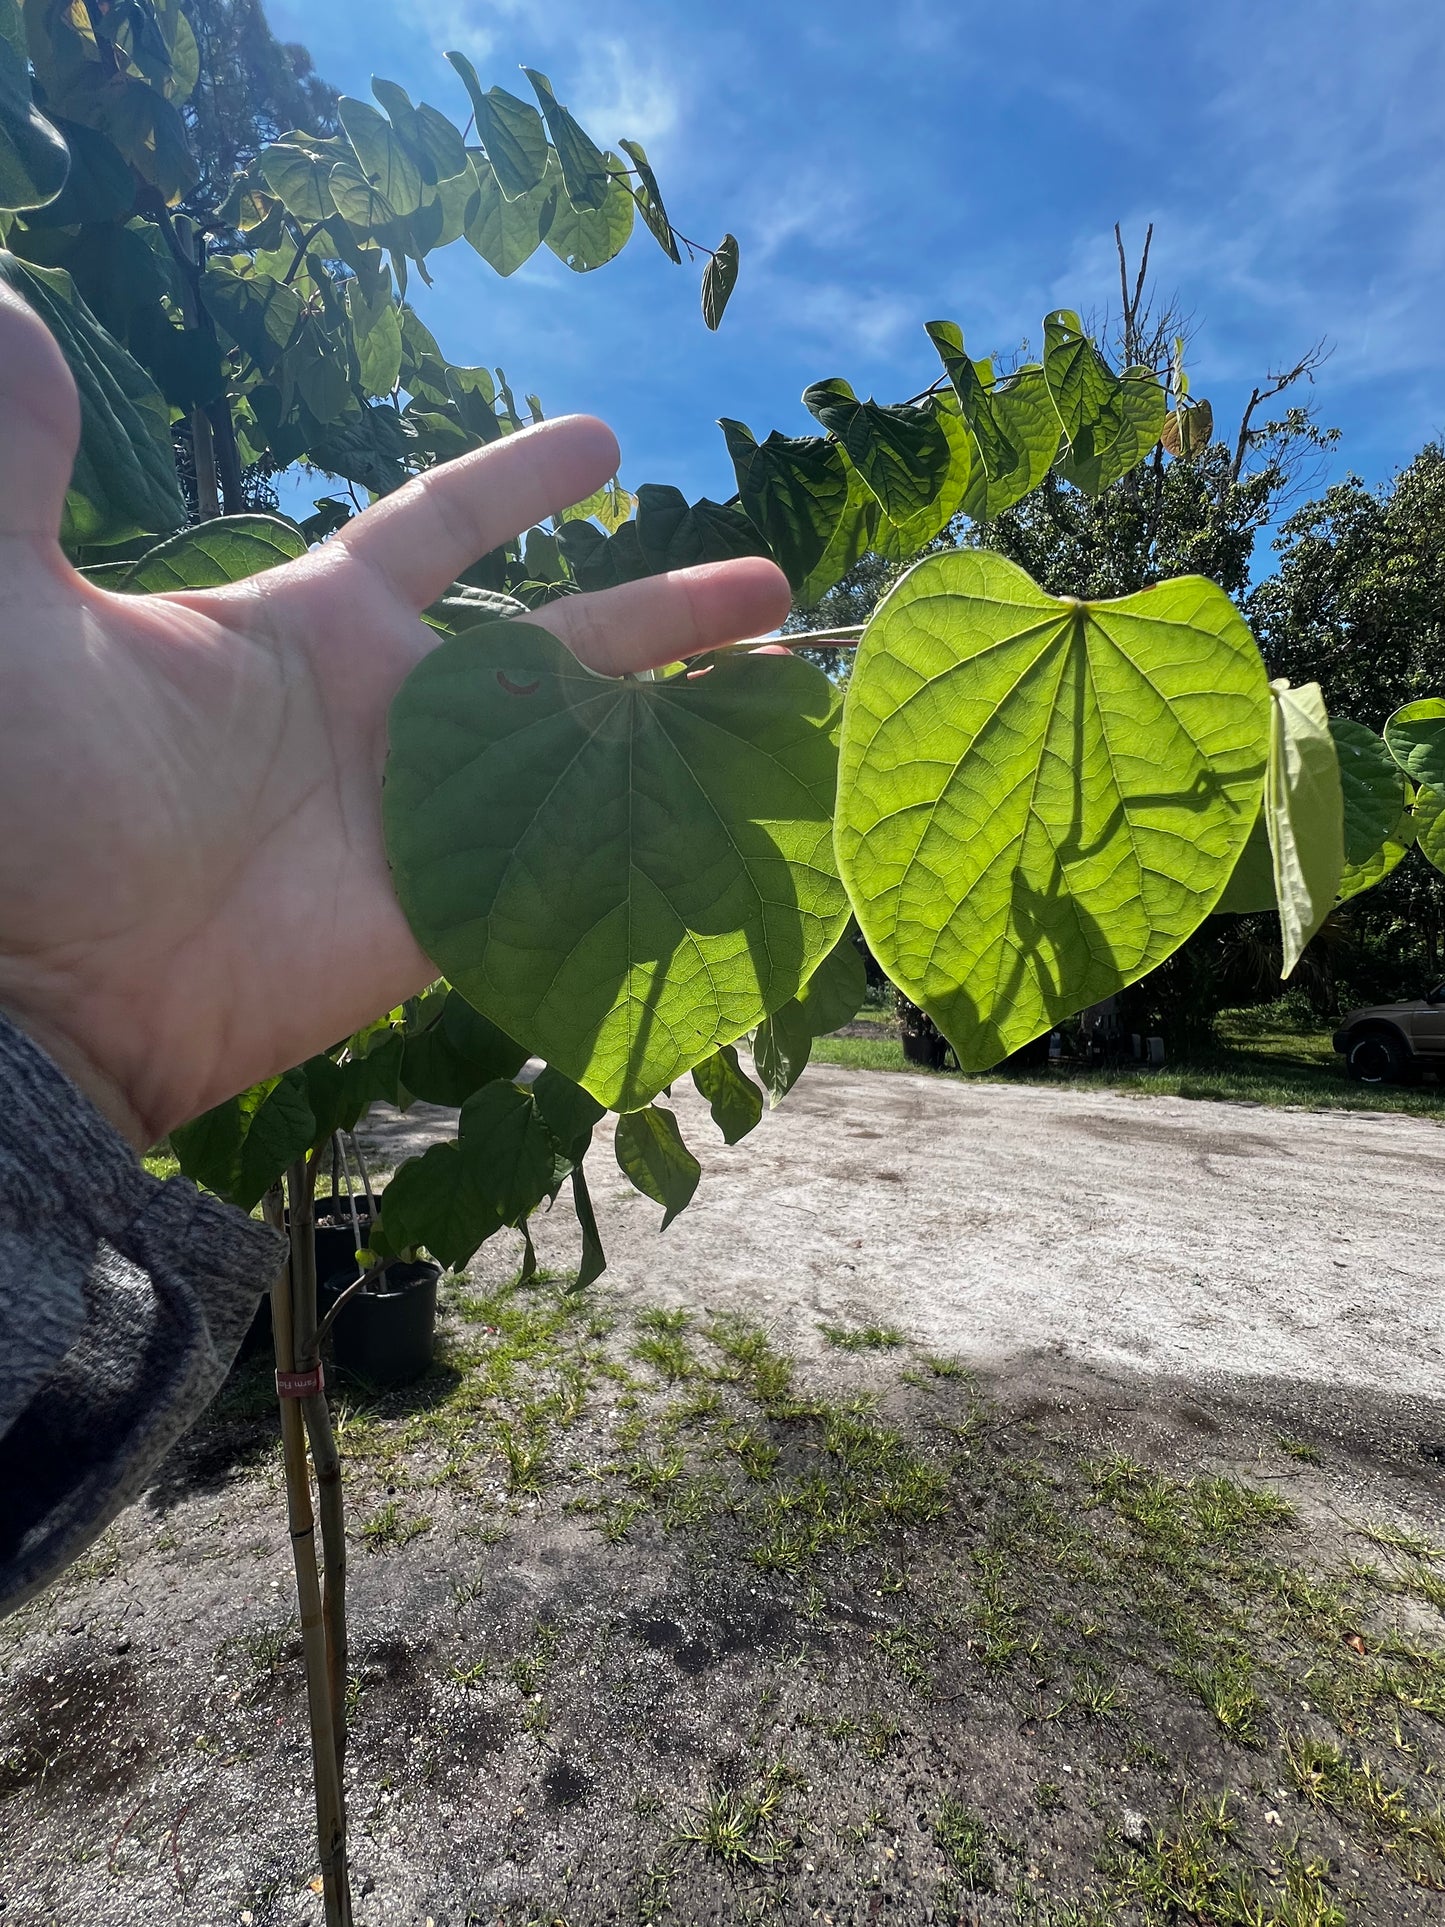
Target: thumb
{"x":39,"y":422}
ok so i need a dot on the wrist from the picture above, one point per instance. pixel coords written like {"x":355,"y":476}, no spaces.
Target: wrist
{"x":89,"y":1079}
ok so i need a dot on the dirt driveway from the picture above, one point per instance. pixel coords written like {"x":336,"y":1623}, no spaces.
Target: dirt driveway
{"x":1007,"y":1224}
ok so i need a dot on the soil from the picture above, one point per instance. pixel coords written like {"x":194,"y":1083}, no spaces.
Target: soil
{"x":973,"y":1488}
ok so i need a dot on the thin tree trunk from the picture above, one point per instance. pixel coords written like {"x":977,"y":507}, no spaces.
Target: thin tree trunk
{"x":203,"y":448}
{"x":293,"y":1313}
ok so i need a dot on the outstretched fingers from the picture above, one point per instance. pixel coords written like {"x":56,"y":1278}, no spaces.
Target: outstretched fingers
{"x":421,"y":538}
{"x":39,"y":423}
{"x":662,"y":618}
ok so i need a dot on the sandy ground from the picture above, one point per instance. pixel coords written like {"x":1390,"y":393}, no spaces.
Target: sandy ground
{"x":1008,"y":1224}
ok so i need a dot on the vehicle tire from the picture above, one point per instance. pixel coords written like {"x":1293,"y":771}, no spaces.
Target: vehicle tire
{"x":1375,"y":1057}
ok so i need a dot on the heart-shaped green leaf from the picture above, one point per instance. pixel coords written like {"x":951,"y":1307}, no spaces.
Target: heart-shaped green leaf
{"x":1039,"y":799}
{"x":651,"y":1153}
{"x":794,"y":489}
{"x":33,"y":160}
{"x":1415,"y":737}
{"x":1304,"y":813}
{"x":622,"y":874}
{"x":506,"y":232}
{"x":588,"y":237}
{"x":734,"y":1099}
{"x":1371,"y":785}
{"x":1014,"y":424}
{"x":228,"y":549}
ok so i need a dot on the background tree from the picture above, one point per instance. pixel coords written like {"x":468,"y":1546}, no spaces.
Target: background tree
{"x":250,"y":89}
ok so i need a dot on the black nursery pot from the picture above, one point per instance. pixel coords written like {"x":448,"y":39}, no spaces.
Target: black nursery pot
{"x":387,"y":1336}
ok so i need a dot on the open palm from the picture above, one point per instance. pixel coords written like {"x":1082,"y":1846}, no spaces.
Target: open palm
{"x":193,"y":888}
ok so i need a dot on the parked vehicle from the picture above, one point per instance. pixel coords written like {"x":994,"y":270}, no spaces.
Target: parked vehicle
{"x":1391,"y":1043}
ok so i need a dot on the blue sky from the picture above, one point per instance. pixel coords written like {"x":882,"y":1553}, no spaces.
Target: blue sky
{"x":885,"y":165}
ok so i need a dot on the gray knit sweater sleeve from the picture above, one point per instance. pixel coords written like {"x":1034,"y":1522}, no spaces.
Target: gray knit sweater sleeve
{"x":123,"y":1301}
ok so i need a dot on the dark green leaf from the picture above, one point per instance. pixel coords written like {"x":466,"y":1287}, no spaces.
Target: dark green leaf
{"x":901,"y":452}
{"x":376,"y":330}
{"x":99,"y":187}
{"x":603,"y":562}
{"x":1415,"y":737}
{"x":594,"y":1258}
{"x":214,"y":553}
{"x":280,"y":1127}
{"x":782,"y":1046}
{"x":655,"y":1160}
{"x":585,"y":173}
{"x":673,"y":535}
{"x":149,"y":132}
{"x":852,"y":537}
{"x":437,"y":1202}
{"x":834,"y":994}
{"x":568,"y":1111}
{"x":124,"y":481}
{"x":208,"y":1149}
{"x":33,"y":157}
{"x":719,"y":278}
{"x":255,"y":311}
{"x":734,"y":1099}
{"x":511,"y":130}
{"x":1371,"y":783}
{"x":508,"y":1147}
{"x":458,"y":1054}
{"x":648,"y":197}
{"x":794,"y":489}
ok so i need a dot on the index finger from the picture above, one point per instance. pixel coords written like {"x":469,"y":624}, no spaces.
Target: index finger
{"x":420,"y":539}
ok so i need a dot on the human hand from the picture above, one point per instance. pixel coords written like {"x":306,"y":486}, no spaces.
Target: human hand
{"x":193,"y":888}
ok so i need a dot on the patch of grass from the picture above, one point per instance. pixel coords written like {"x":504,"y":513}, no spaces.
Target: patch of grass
{"x":736,"y":1825}
{"x":962,"y":1838}
{"x":1193,"y":1872}
{"x":389,"y":1526}
{"x":524,"y":1447}
{"x":1294,"y":1448}
{"x":865,"y":1338}
{"x":667,"y":1354}
{"x":1225,"y":1686}
{"x":1358,"y":1793}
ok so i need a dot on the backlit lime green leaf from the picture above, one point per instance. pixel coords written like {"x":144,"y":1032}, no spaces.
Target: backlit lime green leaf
{"x":734,"y":1099}
{"x":124,"y":480}
{"x":1080,"y":381}
{"x":508,"y":232}
{"x":794,"y":489}
{"x":1415,"y":737}
{"x":588,"y":237}
{"x":33,"y":158}
{"x":1014,"y":423}
{"x":901,"y":452}
{"x":381,"y":156}
{"x":1041,"y":798}
{"x":1304,"y":813}
{"x":214,"y":553}
{"x":1372,"y":787}
{"x":652,"y":1155}
{"x":299,"y":175}
{"x":719,"y":278}
{"x":623,"y":874}
{"x":1119,"y":437}
{"x":585,"y":171}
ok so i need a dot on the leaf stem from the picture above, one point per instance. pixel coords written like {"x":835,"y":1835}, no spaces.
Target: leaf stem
{"x":841,"y":637}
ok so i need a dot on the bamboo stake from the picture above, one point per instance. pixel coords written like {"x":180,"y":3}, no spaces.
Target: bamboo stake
{"x":327,"y":1463}
{"x":286,"y":1303}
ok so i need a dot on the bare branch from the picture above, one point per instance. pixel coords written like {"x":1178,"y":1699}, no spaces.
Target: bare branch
{"x":1276,"y":383}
